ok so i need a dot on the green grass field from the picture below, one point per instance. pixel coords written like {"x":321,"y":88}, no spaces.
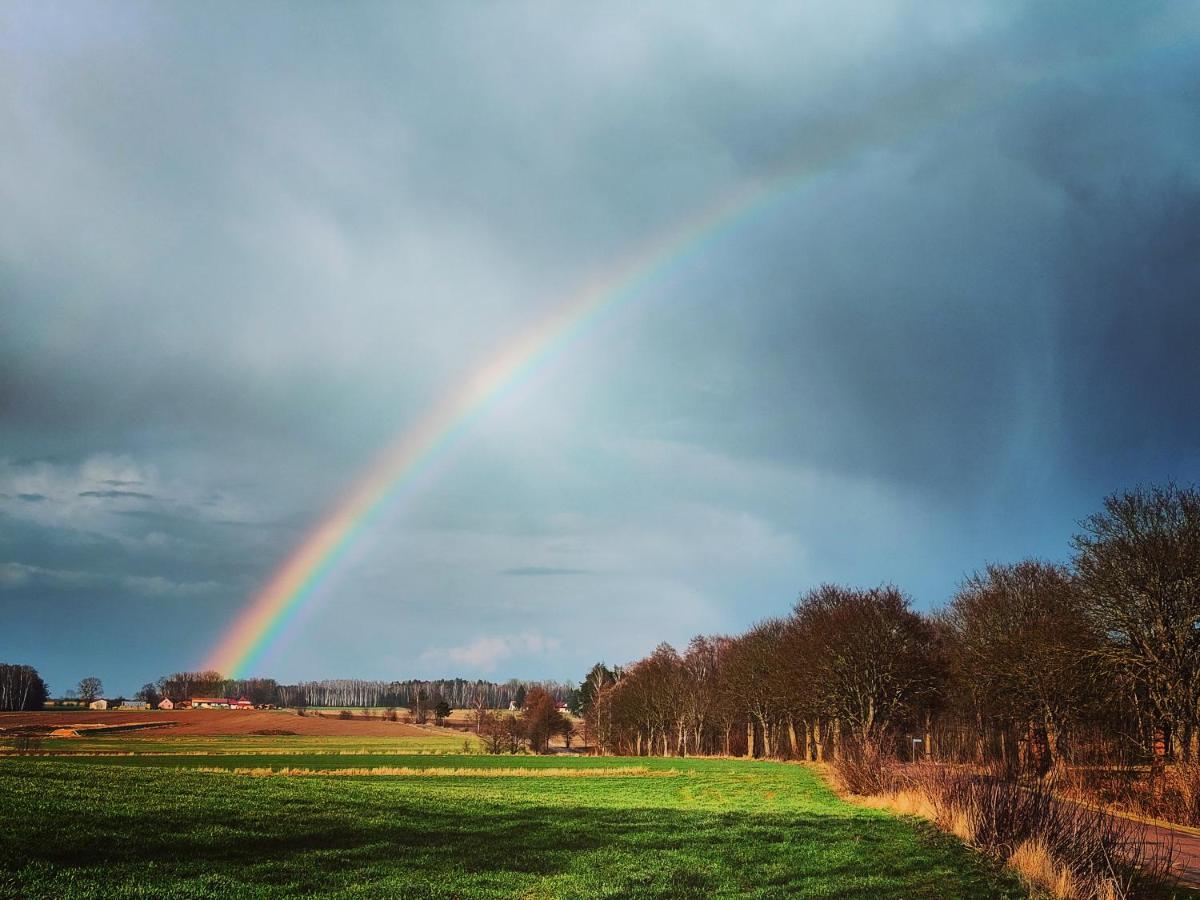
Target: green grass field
{"x":157,"y":826}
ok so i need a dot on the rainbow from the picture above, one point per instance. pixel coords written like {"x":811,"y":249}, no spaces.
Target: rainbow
{"x":273,"y":609}
{"x":259,"y":626}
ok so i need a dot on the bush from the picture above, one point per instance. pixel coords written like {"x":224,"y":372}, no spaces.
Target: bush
{"x":865,"y":768}
{"x":345,"y":714}
{"x":1069,"y":849}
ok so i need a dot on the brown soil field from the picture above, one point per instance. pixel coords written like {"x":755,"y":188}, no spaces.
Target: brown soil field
{"x":217,"y":722}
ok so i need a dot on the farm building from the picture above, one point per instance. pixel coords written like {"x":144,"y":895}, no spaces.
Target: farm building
{"x":98,"y":704}
{"x":216,"y":703}
{"x":134,"y":704}
{"x":209,"y":703}
{"x":166,"y":703}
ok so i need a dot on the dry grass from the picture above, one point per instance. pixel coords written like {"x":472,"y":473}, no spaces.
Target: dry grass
{"x":614,"y":772}
{"x":1173,"y":798}
{"x":1061,"y":848}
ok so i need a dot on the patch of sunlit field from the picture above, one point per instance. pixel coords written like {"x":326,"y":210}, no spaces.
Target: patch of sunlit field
{"x":252,"y":824}
{"x":151,"y":743}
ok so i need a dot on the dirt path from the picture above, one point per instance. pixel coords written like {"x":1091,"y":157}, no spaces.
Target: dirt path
{"x":1179,"y":845}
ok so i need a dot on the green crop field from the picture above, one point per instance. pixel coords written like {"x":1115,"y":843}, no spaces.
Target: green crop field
{"x":190,"y":825}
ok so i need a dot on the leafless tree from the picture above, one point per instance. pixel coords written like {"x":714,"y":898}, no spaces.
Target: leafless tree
{"x":1138,"y":564}
{"x":90,"y":688}
{"x":1024,"y":651}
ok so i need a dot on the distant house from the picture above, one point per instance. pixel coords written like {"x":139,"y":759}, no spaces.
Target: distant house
{"x":134,"y":704}
{"x":166,"y":703}
{"x":210,"y":703}
{"x":98,"y":704}
{"x":241,"y":703}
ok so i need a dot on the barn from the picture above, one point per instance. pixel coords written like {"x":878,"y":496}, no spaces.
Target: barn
{"x":98,"y":704}
{"x":166,"y":703}
{"x":210,"y":703}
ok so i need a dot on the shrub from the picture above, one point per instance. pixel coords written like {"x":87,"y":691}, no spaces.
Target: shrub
{"x":865,"y":768}
{"x":1071,"y":850}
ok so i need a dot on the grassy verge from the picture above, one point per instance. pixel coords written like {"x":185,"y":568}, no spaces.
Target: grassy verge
{"x":1061,"y":848}
{"x":156,"y":826}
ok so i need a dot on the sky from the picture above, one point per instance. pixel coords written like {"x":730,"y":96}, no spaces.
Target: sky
{"x":243,"y":248}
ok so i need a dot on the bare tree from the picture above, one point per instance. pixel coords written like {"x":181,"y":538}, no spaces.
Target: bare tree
{"x":871,"y":659}
{"x":1024,"y":651}
{"x":540,"y":719}
{"x":1138,"y":564}
{"x":90,"y":688}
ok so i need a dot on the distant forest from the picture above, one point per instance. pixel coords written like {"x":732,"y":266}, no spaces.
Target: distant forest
{"x":22,"y":688}
{"x":459,"y":693}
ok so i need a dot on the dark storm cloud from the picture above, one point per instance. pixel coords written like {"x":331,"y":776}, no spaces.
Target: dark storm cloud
{"x":242,"y":251}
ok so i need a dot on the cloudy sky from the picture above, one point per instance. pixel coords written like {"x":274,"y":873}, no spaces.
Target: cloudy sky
{"x":242,"y":248}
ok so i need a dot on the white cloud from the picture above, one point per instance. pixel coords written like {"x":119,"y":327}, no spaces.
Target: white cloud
{"x":486,"y":652}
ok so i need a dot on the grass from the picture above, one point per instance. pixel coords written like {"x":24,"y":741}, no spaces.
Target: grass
{"x":159,"y":826}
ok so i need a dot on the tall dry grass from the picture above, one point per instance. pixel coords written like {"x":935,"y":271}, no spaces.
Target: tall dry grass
{"x":1068,"y":850}
{"x":1172,"y":797}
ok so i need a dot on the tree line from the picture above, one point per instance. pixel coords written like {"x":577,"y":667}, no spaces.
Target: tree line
{"x":459,"y":693}
{"x":1031,"y":663}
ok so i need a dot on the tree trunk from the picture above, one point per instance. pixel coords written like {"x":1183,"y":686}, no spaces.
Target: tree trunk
{"x":1158,"y":765}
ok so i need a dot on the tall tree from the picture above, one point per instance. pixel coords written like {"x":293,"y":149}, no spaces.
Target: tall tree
{"x":1024,"y":650}
{"x":21,"y":688}
{"x":872,"y":658}
{"x":149,"y":694}
{"x":540,"y":719}
{"x":1138,"y":563}
{"x":90,"y":688}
